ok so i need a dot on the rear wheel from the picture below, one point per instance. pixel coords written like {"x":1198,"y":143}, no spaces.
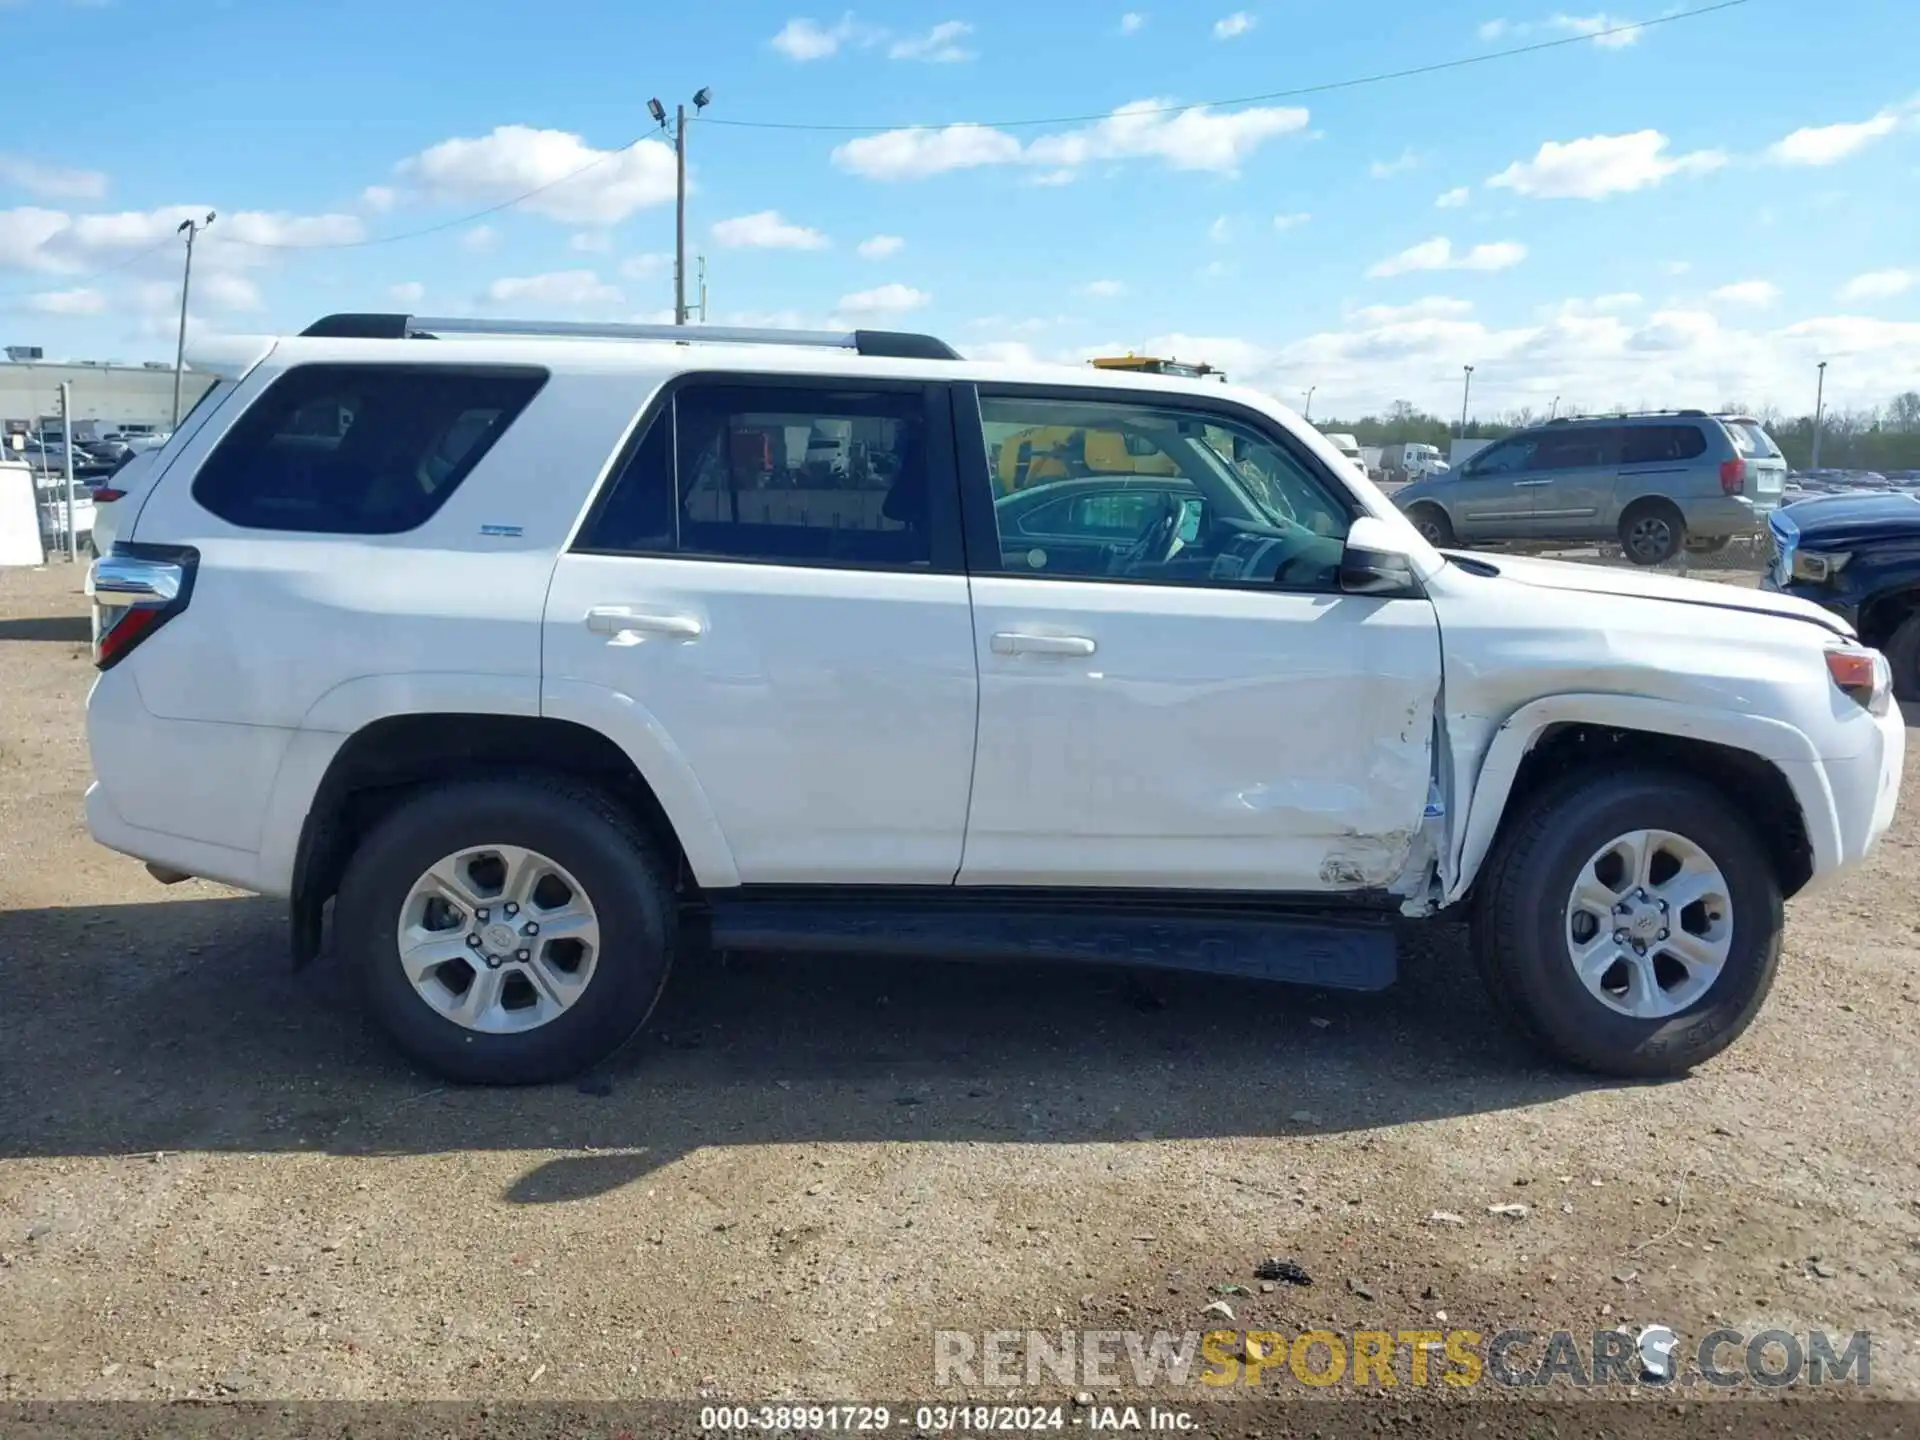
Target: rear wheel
{"x":1629,"y":923}
{"x":1432,"y":523}
{"x":1651,"y":532}
{"x":508,"y":932}
{"x":1903,"y":654}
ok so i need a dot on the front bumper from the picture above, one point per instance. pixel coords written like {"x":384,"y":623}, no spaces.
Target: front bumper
{"x":1848,"y":803}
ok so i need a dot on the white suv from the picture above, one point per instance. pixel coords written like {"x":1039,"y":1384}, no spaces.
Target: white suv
{"x":543,"y":650}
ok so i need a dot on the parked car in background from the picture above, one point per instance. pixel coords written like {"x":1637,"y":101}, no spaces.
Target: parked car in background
{"x":1859,"y":556}
{"x":1654,"y":482}
{"x":1349,"y":447}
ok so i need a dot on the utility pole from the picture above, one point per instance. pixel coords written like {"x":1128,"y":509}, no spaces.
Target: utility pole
{"x":1553,"y":409}
{"x":703,"y":289}
{"x":188,"y":228}
{"x":702,"y":98}
{"x":66,"y":428}
{"x":1307,"y":414}
{"x":1466,"y":389}
{"x":1819,"y":413}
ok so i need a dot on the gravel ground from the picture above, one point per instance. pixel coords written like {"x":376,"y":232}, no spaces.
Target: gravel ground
{"x":216,"y":1180}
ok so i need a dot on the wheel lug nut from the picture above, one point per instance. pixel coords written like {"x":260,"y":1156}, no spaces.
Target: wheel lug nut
{"x":529,"y":929}
{"x":1663,"y":934}
{"x":493,"y":962}
{"x":523,"y":954}
{"x":511,"y":908}
{"x":481,"y":916}
{"x":474,"y":941}
{"x":1619,"y":937}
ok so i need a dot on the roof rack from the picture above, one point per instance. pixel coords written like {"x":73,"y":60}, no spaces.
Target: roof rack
{"x":893,"y":344}
{"x":1625,"y":415}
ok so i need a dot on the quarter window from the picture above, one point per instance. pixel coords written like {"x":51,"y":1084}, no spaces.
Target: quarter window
{"x":1654,"y":444}
{"x":359,"y":449}
{"x":788,"y":474}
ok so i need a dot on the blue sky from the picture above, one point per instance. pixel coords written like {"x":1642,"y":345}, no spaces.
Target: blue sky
{"x":1694,"y":213}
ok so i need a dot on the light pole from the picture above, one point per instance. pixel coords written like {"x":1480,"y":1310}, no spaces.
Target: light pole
{"x":1819,"y":413}
{"x":702,"y":98}
{"x":1466,"y":389}
{"x":188,"y":228}
{"x":1553,"y":409}
{"x":1307,"y":414}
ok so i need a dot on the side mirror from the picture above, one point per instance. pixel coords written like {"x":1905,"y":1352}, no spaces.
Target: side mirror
{"x":1374,"y":563}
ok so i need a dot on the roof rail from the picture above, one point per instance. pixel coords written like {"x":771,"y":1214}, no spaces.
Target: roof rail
{"x":1624,"y":415}
{"x":894,"y":344}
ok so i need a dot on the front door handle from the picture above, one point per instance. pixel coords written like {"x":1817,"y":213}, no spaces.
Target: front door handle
{"x":1014,"y":642}
{"x":619,"y":620}
{"x":1529,"y":484}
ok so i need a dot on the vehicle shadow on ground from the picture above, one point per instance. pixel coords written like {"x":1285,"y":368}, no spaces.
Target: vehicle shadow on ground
{"x":180,"y":1026}
{"x":63,"y":629}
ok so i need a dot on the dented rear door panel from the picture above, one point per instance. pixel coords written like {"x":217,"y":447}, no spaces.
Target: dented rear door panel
{"x":1212,"y":739}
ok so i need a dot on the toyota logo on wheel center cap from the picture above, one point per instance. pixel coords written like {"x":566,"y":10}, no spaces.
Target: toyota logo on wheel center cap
{"x":500,"y":939}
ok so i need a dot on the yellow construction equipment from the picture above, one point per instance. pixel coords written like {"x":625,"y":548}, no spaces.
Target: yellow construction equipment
{"x":1151,"y":365}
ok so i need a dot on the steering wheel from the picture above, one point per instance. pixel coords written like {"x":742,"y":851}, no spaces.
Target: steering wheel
{"x":1156,"y":543}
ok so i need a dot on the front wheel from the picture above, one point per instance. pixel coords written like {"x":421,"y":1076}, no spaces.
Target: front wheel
{"x":508,"y":932}
{"x":1629,"y":923}
{"x":1903,"y":655}
{"x":1432,"y":523}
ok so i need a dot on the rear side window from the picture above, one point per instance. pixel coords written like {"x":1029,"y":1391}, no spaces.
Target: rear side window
{"x":359,"y":449}
{"x":1751,"y":441}
{"x":1577,"y":448}
{"x":795,"y":475}
{"x":1651,"y":444}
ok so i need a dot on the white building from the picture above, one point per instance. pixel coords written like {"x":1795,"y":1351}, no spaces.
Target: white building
{"x":107,"y":397}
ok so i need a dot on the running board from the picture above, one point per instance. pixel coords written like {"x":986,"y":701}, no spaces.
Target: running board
{"x":1330,"y":951}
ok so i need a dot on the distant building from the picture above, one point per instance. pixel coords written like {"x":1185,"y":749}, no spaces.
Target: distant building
{"x":135,"y":399}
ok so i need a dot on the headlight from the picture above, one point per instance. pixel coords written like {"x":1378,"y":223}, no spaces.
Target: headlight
{"x":1863,"y":675}
{"x":1818,"y":568}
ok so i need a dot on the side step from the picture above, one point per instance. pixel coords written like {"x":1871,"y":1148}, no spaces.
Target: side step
{"x":1337,"y":951}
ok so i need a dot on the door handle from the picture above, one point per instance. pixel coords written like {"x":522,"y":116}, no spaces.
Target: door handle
{"x":1529,"y":484}
{"x":1013,"y":642}
{"x":618,"y":620}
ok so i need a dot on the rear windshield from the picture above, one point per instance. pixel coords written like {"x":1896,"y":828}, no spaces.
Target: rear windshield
{"x":1751,"y":441}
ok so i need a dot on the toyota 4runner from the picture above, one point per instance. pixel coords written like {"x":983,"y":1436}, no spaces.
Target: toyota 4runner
{"x":546,"y":653}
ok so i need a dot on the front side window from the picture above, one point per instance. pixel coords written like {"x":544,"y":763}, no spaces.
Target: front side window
{"x":1096,"y":489}
{"x":359,"y":449}
{"x":787,"y":474}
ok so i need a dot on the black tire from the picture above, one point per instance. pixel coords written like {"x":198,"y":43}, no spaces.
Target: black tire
{"x":1708,"y":544}
{"x":1520,"y":922}
{"x":1652,"y":532}
{"x":1432,"y":522}
{"x":619,"y":865}
{"x":1903,"y":655}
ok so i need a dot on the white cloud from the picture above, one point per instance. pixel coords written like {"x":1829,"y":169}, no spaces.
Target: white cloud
{"x":1879,"y":285}
{"x":58,"y":243}
{"x":1132,"y":22}
{"x":884,"y":302}
{"x":1233,"y":26}
{"x":51,"y":182}
{"x":644,"y":267}
{"x":1196,"y":138}
{"x":1610,"y":304}
{"x":1491,"y":30}
{"x":940,"y":45}
{"x":82,"y":301}
{"x":1103,"y":289}
{"x":1601,"y":165}
{"x":1596,"y":26}
{"x":766,"y":230}
{"x":1676,"y":267}
{"x":591,"y":242}
{"x":583,"y":186}
{"x":1757,"y":293}
{"x":1438,"y":254}
{"x":1291,"y":219}
{"x":1453,"y":199}
{"x":407,"y":292}
{"x":801,"y":40}
{"x":378,"y":198}
{"x":1386,"y":169}
{"x":559,"y":290}
{"x":1828,"y":144}
{"x":1220,"y":231}
{"x":880,"y":247}
{"x":479,"y":240}
{"x":1433,"y":307}
{"x":1218,"y":270}
{"x":224,"y":291}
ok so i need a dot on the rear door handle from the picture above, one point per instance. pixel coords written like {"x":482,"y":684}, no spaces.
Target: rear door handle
{"x":1529,"y":484}
{"x":619,"y":620}
{"x":1014,"y":642}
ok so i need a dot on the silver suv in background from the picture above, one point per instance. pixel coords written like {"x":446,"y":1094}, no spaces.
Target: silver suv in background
{"x":1653,"y":482}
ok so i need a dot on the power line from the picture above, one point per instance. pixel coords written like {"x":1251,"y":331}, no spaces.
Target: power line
{"x":74,"y":278}
{"x":1297,"y":92}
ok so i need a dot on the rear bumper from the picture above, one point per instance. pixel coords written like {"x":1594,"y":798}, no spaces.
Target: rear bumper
{"x":1729,"y":515}
{"x":238,"y":868}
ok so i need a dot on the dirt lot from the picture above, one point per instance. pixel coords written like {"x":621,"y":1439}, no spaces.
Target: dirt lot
{"x":215,"y":1179}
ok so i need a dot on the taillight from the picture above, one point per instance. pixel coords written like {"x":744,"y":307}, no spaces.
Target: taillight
{"x":106,"y":495}
{"x":1863,"y":675}
{"x":1733,"y":476}
{"x":136,"y":590}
